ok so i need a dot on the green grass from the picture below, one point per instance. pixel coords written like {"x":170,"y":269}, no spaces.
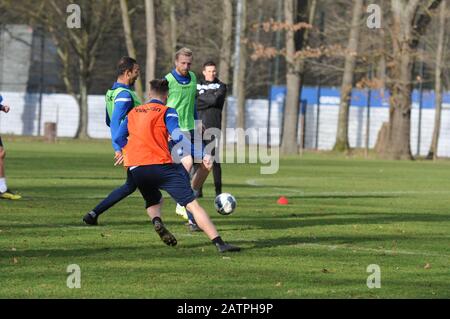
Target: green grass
{"x":343,"y":215}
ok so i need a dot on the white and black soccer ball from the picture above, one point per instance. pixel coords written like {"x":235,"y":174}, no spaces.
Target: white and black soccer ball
{"x":225,"y":203}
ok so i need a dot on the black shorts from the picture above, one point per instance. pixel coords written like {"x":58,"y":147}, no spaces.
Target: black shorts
{"x":1,"y":143}
{"x":171,"y":178}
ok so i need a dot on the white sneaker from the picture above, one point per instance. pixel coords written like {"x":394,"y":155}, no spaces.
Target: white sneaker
{"x":181,"y":210}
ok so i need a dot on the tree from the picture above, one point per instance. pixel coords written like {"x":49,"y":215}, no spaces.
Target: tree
{"x":240,"y":62}
{"x":409,"y":23}
{"x":129,"y":41}
{"x":342,"y":143}
{"x":173,"y":29}
{"x":150,"y":64}
{"x":77,"y":45}
{"x":225,"y":55}
{"x":438,"y":88}
{"x":295,"y":41}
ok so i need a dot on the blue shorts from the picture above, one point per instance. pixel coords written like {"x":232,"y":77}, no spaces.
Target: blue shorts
{"x":172,"y":178}
{"x":196,"y":144}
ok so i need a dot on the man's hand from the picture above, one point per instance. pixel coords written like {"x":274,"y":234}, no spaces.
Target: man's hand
{"x":5,"y":108}
{"x":208,"y":161}
{"x":118,"y":157}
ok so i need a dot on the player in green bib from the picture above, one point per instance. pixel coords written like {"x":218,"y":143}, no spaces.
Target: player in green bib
{"x":120,"y":99}
{"x":182,"y":97}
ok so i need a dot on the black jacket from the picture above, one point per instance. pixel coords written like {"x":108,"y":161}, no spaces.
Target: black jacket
{"x":211,"y":94}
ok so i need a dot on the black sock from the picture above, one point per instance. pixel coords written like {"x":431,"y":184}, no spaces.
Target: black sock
{"x":156,"y":219}
{"x":218,"y":241}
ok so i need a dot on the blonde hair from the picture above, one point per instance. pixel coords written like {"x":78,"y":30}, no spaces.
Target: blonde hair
{"x":183,"y":51}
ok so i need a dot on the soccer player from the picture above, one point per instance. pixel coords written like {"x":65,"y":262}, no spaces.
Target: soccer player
{"x":147,"y":156}
{"x":120,"y":99}
{"x":211,"y":93}
{"x":182,"y":92}
{"x":5,"y":193}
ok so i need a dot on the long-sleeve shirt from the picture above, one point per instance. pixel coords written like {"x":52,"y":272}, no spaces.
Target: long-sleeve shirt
{"x":122,"y":105}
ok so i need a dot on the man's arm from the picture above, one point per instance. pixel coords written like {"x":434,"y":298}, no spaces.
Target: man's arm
{"x":121,"y":135}
{"x":122,"y":105}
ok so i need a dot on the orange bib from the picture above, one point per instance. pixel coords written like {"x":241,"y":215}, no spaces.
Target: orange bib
{"x":148,"y":136}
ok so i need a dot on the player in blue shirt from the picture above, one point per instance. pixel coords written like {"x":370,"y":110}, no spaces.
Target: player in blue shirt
{"x":120,"y":99}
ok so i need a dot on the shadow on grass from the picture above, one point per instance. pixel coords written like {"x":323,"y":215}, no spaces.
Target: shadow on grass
{"x":282,"y":221}
{"x":300,"y":220}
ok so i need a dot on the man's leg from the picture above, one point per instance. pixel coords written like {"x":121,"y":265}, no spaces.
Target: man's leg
{"x":3,"y":186}
{"x":113,"y":198}
{"x":144,"y":178}
{"x":5,"y":193}
{"x":217,"y":174}
{"x":200,"y":177}
{"x":178,"y":187}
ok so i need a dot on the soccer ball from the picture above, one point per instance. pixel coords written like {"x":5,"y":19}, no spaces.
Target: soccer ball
{"x":225,"y":204}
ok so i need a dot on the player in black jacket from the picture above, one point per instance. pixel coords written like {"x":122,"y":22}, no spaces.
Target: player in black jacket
{"x":211,"y":93}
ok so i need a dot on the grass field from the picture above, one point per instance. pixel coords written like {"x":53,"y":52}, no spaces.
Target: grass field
{"x":343,"y":215}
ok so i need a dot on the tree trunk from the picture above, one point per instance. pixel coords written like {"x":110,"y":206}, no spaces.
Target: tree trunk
{"x":342,"y":143}
{"x":407,"y":28}
{"x":129,"y":41}
{"x":432,"y":153}
{"x":83,"y":102}
{"x":225,"y":56}
{"x":240,"y":98}
{"x":150,"y":63}
{"x":295,"y":41}
{"x":173,"y":29}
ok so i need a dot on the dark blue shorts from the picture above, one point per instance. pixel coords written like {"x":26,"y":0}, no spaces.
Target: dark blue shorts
{"x":1,"y":143}
{"x":172,"y":178}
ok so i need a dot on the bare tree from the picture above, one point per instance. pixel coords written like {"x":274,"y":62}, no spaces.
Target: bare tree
{"x":129,"y":40}
{"x":409,"y":23}
{"x":438,"y":87}
{"x":150,"y":63}
{"x":76,"y":47}
{"x":295,"y":41}
{"x":173,"y":28}
{"x":240,"y":62}
{"x":225,"y":55}
{"x":342,"y":143}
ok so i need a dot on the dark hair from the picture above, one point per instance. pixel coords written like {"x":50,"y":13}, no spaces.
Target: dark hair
{"x":159,"y":86}
{"x":125,"y":64}
{"x":208,"y":63}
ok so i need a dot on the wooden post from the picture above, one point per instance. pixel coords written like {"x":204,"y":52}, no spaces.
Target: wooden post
{"x":50,"y":132}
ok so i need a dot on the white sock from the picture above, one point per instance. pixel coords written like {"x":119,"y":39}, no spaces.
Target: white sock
{"x":3,"y":186}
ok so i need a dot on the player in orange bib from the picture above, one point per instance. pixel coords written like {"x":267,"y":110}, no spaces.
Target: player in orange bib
{"x":144,"y":137}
